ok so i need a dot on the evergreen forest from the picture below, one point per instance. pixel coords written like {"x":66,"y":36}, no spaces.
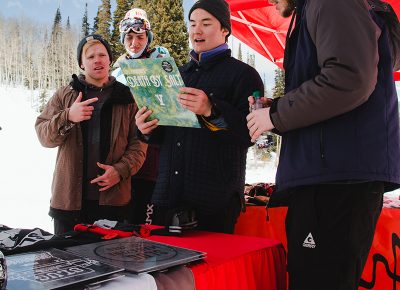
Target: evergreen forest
{"x":44,"y":58}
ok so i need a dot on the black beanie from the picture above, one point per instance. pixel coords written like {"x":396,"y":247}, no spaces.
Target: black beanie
{"x":88,"y":38}
{"x":218,"y":8}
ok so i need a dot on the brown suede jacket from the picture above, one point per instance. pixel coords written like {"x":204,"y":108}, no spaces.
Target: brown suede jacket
{"x":126,"y":154}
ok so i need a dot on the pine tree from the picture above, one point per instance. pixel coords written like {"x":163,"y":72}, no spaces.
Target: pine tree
{"x":231,"y":43}
{"x":251,"y":60}
{"x":279,"y":88}
{"x":68,"y":26}
{"x":104,"y":20}
{"x":54,"y":55}
{"x":42,"y":99}
{"x":56,"y":30}
{"x":42,"y":65}
{"x":266,"y":91}
{"x":123,"y":6}
{"x":277,"y":91}
{"x":240,"y":56}
{"x":85,"y":24}
{"x":168,"y":25}
{"x":68,"y":52}
{"x":96,"y":21}
{"x":29,"y":80}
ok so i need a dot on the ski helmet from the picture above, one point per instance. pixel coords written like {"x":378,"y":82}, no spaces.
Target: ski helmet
{"x":135,"y":20}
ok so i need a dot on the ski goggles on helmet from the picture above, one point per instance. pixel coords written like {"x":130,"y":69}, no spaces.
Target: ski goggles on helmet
{"x":134,"y":24}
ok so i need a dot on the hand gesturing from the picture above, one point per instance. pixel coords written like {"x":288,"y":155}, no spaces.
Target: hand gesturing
{"x":108,"y":179}
{"x":81,"y":111}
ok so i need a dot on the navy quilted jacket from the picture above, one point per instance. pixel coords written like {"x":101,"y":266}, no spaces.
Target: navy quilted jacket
{"x":203,"y":168}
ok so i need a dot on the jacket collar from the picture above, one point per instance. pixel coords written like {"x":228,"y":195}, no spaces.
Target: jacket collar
{"x":205,"y":55}
{"x":82,"y":81}
{"x":208,"y":62}
{"x":120,"y":94}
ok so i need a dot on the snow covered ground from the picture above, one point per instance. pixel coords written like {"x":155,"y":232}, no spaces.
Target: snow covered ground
{"x":26,"y":168}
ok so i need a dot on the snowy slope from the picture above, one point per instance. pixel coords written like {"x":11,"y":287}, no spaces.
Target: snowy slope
{"x":26,"y":167}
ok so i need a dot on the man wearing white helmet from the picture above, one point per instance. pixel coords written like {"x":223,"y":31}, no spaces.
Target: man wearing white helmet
{"x":136,"y":36}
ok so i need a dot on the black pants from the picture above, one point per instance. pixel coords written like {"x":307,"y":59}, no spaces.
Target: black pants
{"x":61,"y":226}
{"x":90,"y":213}
{"x":223,"y":221}
{"x":330,"y":229}
{"x":142,"y":191}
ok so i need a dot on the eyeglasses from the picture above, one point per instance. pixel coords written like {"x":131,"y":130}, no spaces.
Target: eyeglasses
{"x":134,"y":24}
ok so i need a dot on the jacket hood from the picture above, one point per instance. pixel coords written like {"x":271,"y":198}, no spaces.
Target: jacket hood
{"x":121,"y":94}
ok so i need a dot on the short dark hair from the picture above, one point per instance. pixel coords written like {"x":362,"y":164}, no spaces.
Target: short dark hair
{"x":219,"y":9}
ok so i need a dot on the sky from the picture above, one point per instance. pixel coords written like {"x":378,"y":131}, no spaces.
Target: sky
{"x":44,"y":11}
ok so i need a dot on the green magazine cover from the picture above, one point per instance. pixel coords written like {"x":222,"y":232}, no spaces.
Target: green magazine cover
{"x":155,"y":83}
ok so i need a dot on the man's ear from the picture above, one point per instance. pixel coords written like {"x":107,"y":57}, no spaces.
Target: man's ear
{"x":225,"y":30}
{"x":82,"y":67}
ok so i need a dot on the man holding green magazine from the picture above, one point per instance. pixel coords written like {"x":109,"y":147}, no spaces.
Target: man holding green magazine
{"x":204,"y":168}
{"x":136,"y":36}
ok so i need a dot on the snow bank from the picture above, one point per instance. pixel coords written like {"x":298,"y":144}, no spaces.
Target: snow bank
{"x":26,"y":167}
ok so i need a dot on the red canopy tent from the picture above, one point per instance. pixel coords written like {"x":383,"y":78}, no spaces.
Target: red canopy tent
{"x":257,"y":23}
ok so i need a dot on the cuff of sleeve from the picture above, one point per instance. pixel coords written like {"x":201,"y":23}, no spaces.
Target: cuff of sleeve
{"x":273,"y":109}
{"x":145,"y":138}
{"x":64,"y":130}
{"x":215,"y":113}
{"x":210,"y":125}
{"x":67,"y":125}
{"x":123,"y":171}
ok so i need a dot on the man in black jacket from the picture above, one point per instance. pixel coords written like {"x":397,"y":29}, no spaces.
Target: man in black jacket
{"x":204,"y":168}
{"x":339,"y":122}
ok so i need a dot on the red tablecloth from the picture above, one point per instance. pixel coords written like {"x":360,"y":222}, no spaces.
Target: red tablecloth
{"x":234,"y":261}
{"x":381,"y":271}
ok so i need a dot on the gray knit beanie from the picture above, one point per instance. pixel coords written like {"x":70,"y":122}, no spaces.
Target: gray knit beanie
{"x":91,"y":37}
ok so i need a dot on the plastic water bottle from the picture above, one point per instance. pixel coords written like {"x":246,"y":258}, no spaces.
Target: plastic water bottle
{"x":263,"y":140}
{"x":257,"y":101}
{"x":3,"y":272}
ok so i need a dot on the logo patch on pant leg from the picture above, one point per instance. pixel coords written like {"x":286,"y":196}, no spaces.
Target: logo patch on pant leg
{"x":309,"y":242}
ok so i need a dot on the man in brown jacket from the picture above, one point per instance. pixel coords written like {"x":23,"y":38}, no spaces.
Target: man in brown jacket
{"x":92,"y":123}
